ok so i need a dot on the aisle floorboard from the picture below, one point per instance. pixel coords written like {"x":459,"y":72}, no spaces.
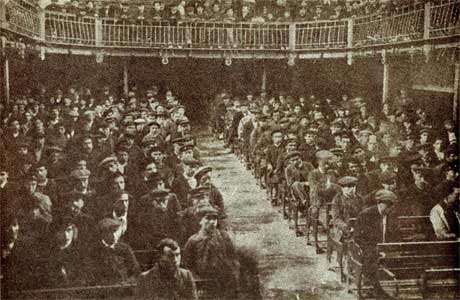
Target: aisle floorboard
{"x":288,"y":269}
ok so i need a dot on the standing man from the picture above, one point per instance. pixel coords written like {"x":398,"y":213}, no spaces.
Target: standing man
{"x":211,"y":254}
{"x":167,"y":280}
{"x":373,"y":226}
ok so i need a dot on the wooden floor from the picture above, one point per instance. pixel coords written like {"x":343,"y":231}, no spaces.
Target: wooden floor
{"x":287,"y":267}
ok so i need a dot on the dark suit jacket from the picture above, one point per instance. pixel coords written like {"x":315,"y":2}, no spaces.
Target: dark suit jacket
{"x":113,"y":266}
{"x":152,"y":285}
{"x":369,"y":229}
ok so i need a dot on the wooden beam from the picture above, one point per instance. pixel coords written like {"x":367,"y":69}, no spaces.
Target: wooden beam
{"x":263,"y":87}
{"x":125,"y":78}
{"x":6,"y":80}
{"x":433,"y":88}
{"x":455,"y":113}
{"x":386,"y":77}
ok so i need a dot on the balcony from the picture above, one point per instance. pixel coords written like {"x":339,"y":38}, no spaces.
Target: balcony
{"x":431,"y":23}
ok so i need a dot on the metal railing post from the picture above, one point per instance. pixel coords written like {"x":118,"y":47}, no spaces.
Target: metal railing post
{"x":427,"y":21}
{"x":42,"y":22}
{"x":292,"y":37}
{"x":2,"y":14}
{"x":98,"y":31}
{"x":350,"y":23}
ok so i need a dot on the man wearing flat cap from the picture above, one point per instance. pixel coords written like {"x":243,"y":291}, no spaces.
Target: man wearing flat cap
{"x":159,"y":216}
{"x":374,"y":225}
{"x":33,"y":208}
{"x":112,"y":261}
{"x":322,"y":190}
{"x":211,"y":254}
{"x":346,"y":204}
{"x":203,"y":179}
{"x":297,"y":172}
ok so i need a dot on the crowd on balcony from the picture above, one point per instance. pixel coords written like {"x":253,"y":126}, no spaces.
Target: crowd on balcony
{"x":88,"y":180}
{"x":341,"y":164}
{"x":230,"y":10}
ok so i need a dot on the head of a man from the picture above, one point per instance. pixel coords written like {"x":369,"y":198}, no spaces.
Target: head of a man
{"x":110,"y":231}
{"x":209,"y":220}
{"x":386,"y":201}
{"x":170,"y":256}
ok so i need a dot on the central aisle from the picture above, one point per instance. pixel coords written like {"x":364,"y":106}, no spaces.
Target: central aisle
{"x":287,"y":268}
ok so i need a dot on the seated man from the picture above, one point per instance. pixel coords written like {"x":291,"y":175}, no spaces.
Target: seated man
{"x":112,"y":262}
{"x":159,"y":218}
{"x":442,"y":215}
{"x":297,"y":172}
{"x":374,"y":226}
{"x":167,"y":280}
{"x":65,"y":264}
{"x":210,"y":254}
{"x":345,"y":205}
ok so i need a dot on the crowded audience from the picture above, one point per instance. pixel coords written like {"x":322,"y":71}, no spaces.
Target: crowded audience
{"x":348,"y":168}
{"x":230,"y":11}
{"x":92,"y":185}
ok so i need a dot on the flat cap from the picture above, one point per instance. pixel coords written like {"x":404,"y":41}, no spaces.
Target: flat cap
{"x":54,"y":149}
{"x":106,"y":161}
{"x":80,"y":174}
{"x":207,"y":210}
{"x":348,"y":181}
{"x":186,"y":147}
{"x":386,"y":196}
{"x":108,"y":224}
{"x":153,"y":123}
{"x":292,"y":154}
{"x":202,"y":171}
{"x":324,"y":154}
{"x":199,"y":192}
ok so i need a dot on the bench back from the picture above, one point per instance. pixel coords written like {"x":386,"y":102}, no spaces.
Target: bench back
{"x":409,"y":260}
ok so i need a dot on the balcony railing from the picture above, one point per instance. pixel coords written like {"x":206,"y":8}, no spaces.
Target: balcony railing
{"x":321,"y":34}
{"x":201,"y":35}
{"x":22,"y":18}
{"x":417,"y":23}
{"x":377,"y":29}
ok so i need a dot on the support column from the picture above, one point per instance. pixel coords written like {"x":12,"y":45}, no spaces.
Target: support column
{"x":350,"y":41}
{"x":263,"y":87}
{"x":386,"y":77}
{"x":455,"y":100}
{"x":6,"y":81}
{"x":125,"y":79}
{"x":292,"y":37}
{"x":426,"y":29}
{"x":98,"y":31}
{"x":2,"y":13}
{"x":42,"y":28}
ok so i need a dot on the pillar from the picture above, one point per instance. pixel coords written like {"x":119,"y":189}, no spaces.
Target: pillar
{"x":98,"y":31}
{"x":292,"y":37}
{"x":42,"y":28}
{"x":125,"y":78}
{"x":2,"y":13}
{"x":426,"y":29}
{"x":386,"y":77}
{"x":455,"y":113}
{"x":6,"y":80}
{"x":263,"y":87}
{"x":350,"y":41}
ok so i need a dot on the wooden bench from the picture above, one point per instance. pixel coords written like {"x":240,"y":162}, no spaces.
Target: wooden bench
{"x":441,"y":284}
{"x":404,"y":265}
{"x":414,"y":227}
{"x":119,"y":291}
{"x":146,"y":258}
